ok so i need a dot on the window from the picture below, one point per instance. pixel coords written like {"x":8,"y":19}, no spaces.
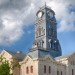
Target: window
{"x":44,"y":68}
{"x":50,"y":31}
{"x":61,"y":72}
{"x":55,"y":44}
{"x":42,"y":43}
{"x":27,"y":70}
{"x":49,"y":69}
{"x":31,"y":69}
{"x":39,"y":31}
{"x":57,"y":72}
{"x":50,"y":44}
{"x":72,"y":72}
{"x":44,"y":32}
{"x":39,"y":43}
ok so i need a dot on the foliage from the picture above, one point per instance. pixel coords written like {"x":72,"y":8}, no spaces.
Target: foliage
{"x":4,"y":69}
{"x":4,"y":66}
{"x":14,"y":65}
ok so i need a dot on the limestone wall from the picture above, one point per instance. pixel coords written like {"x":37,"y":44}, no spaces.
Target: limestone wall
{"x":54,"y":68}
{"x":28,"y":63}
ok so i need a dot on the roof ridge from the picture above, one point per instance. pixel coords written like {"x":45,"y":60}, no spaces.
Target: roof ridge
{"x":64,"y":56}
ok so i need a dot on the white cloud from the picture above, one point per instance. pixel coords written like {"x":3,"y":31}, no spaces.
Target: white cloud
{"x":11,"y":31}
{"x":14,"y":14}
{"x":12,"y":20}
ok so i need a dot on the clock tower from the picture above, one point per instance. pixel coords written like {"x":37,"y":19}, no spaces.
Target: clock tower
{"x":46,"y":32}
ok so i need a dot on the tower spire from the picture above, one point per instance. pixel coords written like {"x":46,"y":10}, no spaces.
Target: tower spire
{"x":45,"y":4}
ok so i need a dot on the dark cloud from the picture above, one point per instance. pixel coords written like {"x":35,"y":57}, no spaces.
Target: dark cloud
{"x":1,"y":25}
{"x":14,"y":4}
{"x":14,"y":14}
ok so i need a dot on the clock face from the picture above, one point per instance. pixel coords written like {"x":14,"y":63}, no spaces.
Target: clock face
{"x":40,"y":14}
{"x":51,"y":14}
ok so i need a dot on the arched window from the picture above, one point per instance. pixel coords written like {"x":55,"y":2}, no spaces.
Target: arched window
{"x":55,"y":44}
{"x":27,"y":70}
{"x":57,"y":72}
{"x":44,"y":68}
{"x":61,"y":72}
{"x":49,"y":69}
{"x":72,"y":72}
{"x":39,"y":31}
{"x":44,"y":32}
{"x":42,"y":43}
{"x":39,"y":43}
{"x":31,"y":69}
{"x":50,"y":44}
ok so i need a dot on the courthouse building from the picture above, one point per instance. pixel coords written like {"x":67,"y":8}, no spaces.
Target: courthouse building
{"x":45,"y":57}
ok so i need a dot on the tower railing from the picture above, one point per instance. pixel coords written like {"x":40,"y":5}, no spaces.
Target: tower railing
{"x":38,"y":48}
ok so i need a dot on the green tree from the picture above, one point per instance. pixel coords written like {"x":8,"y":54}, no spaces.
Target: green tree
{"x":4,"y":66}
{"x":4,"y":69}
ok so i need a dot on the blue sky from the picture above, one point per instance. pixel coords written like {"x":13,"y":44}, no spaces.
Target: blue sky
{"x":17,"y":20}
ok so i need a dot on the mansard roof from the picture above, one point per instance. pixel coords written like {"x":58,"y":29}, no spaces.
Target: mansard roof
{"x":45,"y":7}
{"x":38,"y":53}
{"x":17,"y":54}
{"x":64,"y":56}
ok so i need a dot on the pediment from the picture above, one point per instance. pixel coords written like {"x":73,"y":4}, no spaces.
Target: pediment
{"x":27,"y":58}
{"x":4,"y":52}
{"x":49,"y":58}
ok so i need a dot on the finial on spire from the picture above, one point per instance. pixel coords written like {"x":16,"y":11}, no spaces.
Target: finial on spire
{"x":45,"y":4}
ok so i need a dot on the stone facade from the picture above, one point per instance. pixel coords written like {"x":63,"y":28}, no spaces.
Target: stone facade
{"x":64,"y":66}
{"x":28,"y":62}
{"x":46,"y":31}
{"x":69,"y":61}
